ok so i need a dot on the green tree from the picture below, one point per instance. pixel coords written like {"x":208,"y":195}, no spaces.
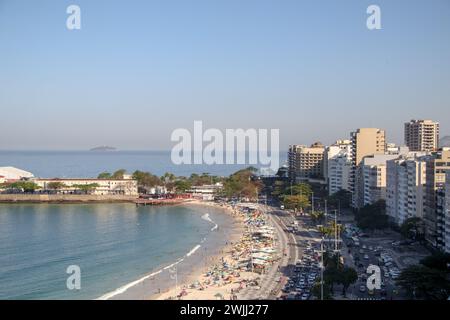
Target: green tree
{"x":317,"y":291}
{"x":55,"y":185}
{"x":278,"y":189}
{"x":86,"y":188}
{"x":347,"y":276}
{"x":242,"y":183}
{"x":303,"y":189}
{"x":372,"y":217}
{"x":342,"y":198}
{"x":26,"y":186}
{"x":295,"y":202}
{"x":104,"y":175}
{"x":317,"y":216}
{"x":168,"y":180}
{"x":438,"y":261}
{"x":182,"y":185}
{"x":423,"y":282}
{"x":146,"y":181}
{"x":413,"y":228}
{"x":119,"y":174}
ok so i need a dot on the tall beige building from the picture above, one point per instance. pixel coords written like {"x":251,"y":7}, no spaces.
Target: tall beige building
{"x":306,"y":162}
{"x":422,"y":135}
{"x":365,"y":142}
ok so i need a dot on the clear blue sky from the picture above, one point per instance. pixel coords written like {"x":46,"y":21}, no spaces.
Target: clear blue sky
{"x":139,"y":69}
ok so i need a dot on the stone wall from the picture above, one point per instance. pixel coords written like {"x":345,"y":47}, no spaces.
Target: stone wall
{"x":64,"y":198}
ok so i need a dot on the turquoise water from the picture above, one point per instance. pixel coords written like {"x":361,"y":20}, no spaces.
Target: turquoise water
{"x":113,"y":244}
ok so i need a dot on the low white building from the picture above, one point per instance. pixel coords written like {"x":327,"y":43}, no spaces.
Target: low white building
{"x":126,"y":187}
{"x":14,"y":174}
{"x":205,"y":192}
{"x":405,"y":187}
{"x":158,"y":190}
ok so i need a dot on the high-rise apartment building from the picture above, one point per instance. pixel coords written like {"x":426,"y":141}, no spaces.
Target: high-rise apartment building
{"x":405,"y":187}
{"x":371,"y":180}
{"x":447,"y":214}
{"x":422,"y":135}
{"x":365,"y":142}
{"x":306,"y":162}
{"x":338,"y":166}
{"x":437,"y":164}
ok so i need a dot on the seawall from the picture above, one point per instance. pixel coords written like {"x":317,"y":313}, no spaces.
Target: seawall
{"x":37,"y":198}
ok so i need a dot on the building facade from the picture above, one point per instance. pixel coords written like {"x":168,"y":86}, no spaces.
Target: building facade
{"x":422,"y":135}
{"x":371,"y":180}
{"x":11,"y":174}
{"x":126,"y":187}
{"x":437,"y":165}
{"x":364,"y":142}
{"x":205,"y":192}
{"x":447,"y":214}
{"x":306,"y":162}
{"x":405,"y":187}
{"x":338,"y":166}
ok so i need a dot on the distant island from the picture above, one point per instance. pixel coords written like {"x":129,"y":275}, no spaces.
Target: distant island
{"x":103,"y":148}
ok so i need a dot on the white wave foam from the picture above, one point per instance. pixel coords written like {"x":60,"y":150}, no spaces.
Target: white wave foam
{"x":193,"y":250}
{"x":207,"y":218}
{"x":127,"y":286}
{"x":132,"y":284}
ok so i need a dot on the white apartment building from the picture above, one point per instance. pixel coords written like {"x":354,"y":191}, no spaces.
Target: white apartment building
{"x":205,"y":192}
{"x":126,"y":187}
{"x":447,"y":213}
{"x":338,"y":166}
{"x":405,"y":187}
{"x":371,"y":178}
{"x":438,"y":164}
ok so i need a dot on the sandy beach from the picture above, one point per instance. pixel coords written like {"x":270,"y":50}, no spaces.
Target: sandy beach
{"x":225,"y":276}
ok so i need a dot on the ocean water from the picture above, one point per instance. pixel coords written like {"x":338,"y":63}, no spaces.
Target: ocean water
{"x":69,"y":164}
{"x":113,"y":244}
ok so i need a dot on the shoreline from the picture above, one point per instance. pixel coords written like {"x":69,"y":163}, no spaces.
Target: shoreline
{"x":228,"y":276}
{"x":238,"y":229}
{"x":154,"y":283}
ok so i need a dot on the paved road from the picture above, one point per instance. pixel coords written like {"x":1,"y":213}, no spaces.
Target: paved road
{"x":288,"y":244}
